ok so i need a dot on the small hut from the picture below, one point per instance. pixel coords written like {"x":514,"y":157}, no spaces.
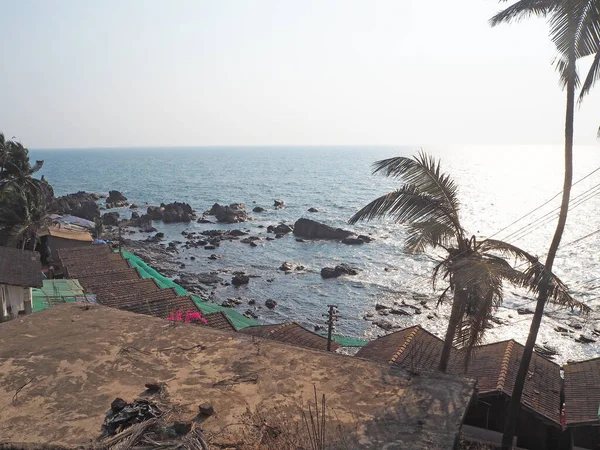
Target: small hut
{"x":20,"y":271}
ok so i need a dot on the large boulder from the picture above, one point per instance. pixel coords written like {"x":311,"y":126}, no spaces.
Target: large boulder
{"x":80,"y":204}
{"x":172,"y":212}
{"x":312,"y":229}
{"x":115,"y":200}
{"x":111,"y":219}
{"x":338,"y":271}
{"x":233,"y":213}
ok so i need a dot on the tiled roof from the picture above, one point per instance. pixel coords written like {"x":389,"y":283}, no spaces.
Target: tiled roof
{"x":163,"y":308}
{"x":94,"y":267}
{"x":582,"y":392}
{"x":111,"y":290}
{"x":102,"y":278}
{"x":85,"y":259}
{"x":88,"y":250}
{"x":412,"y":347}
{"x":134,"y":297}
{"x":495,"y":368}
{"x":219,"y":320}
{"x":20,"y":267}
{"x":290,"y":333}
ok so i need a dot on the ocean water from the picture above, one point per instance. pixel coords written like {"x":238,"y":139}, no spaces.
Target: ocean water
{"x":497,"y":186}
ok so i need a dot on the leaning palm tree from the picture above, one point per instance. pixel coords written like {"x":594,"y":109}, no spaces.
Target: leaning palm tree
{"x":474,"y":270}
{"x":575,"y":30}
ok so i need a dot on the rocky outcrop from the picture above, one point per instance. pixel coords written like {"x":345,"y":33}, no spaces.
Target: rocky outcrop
{"x":234,"y":213}
{"x":111,"y":219}
{"x":312,"y":229}
{"x":115,"y":200}
{"x":270,"y":303}
{"x":338,"y":271}
{"x":258,"y":209}
{"x":239,"y":278}
{"x":80,"y":204}
{"x":172,"y":212}
{"x":313,"y":210}
{"x":278,"y":204}
{"x":282,"y":228}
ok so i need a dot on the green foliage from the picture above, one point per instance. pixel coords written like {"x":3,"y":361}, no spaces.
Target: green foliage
{"x":23,"y":199}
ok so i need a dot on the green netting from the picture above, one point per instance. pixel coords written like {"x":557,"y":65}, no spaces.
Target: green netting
{"x":239,"y":320}
{"x":53,"y":292}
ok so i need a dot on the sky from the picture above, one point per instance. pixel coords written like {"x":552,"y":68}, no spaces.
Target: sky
{"x":119,"y":73}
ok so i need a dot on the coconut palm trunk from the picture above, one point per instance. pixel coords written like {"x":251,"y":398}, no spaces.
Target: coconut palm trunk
{"x":456,"y":315}
{"x":544,"y":290}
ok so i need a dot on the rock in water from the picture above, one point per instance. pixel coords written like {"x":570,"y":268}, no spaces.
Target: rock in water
{"x":282,"y":228}
{"x":239,"y":279}
{"x":278,"y":204}
{"x":258,"y":209}
{"x":352,"y":241}
{"x":80,"y":204}
{"x":313,"y":210}
{"x":338,"y":271}
{"x":312,"y":229}
{"x":270,"y":304}
{"x":233,"y":213}
{"x":115,"y":200}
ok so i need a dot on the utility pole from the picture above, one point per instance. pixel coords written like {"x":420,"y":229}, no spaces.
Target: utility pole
{"x":332,"y":317}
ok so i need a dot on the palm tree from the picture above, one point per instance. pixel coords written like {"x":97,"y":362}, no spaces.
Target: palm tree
{"x":23,"y":199}
{"x":475,"y":270}
{"x":575,"y":30}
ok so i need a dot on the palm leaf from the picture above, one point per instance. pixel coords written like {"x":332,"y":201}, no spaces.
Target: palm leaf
{"x":424,"y":172}
{"x":523,"y":9}
{"x":504,"y":248}
{"x":592,"y":77}
{"x":559,"y":295}
{"x":424,"y":214}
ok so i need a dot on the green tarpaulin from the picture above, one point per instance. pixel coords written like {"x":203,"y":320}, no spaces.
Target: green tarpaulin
{"x":54,"y":292}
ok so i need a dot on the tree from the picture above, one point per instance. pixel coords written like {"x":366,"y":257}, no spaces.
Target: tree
{"x":575,"y":30}
{"x":475,"y":270}
{"x":23,"y":199}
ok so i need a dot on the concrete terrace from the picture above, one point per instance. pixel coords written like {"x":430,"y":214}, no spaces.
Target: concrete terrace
{"x":74,"y":359}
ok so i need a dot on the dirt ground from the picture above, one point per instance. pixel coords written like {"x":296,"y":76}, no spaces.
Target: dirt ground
{"x":61,"y":368}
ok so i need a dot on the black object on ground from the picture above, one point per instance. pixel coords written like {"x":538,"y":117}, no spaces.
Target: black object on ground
{"x":122,"y":415}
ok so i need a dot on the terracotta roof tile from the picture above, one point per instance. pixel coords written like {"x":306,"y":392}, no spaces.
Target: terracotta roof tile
{"x":412,"y":347}
{"x":495,"y":367}
{"x":85,"y":259}
{"x":20,"y":267}
{"x":290,"y":333}
{"x":120,"y":288}
{"x":219,"y":320}
{"x":87,"y":250}
{"x":102,"y":278}
{"x":122,"y":301}
{"x":163,"y":308}
{"x":582,"y":392}
{"x":95,"y":267}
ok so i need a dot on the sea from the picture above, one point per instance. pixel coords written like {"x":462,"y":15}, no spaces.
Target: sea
{"x":505,"y":192}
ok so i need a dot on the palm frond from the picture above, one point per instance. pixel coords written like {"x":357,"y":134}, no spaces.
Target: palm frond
{"x":428,"y":234}
{"x":592,"y":77}
{"x":523,"y":9}
{"x":408,"y":205}
{"x":481,"y":277}
{"x":506,"y":249}
{"x":559,"y":295}
{"x":574,"y":27}
{"x":424,"y":172}
{"x":561,"y":64}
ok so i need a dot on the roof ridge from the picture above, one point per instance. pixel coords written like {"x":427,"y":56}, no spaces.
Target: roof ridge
{"x":504,"y":365}
{"x":407,"y":341}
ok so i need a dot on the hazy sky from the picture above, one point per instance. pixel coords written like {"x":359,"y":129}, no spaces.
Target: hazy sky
{"x":95,"y":73}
